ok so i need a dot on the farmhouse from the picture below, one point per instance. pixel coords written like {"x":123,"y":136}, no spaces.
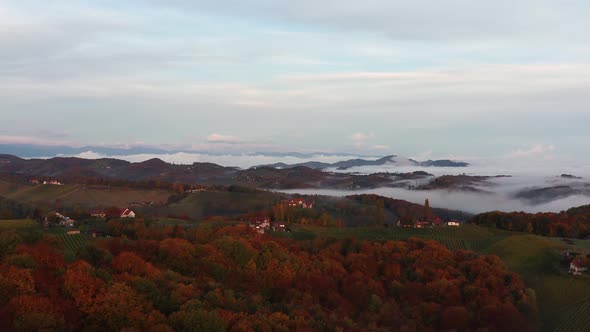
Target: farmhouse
{"x":142,"y":203}
{"x":299,"y":202}
{"x":53,"y":182}
{"x":437,"y":222}
{"x":423,"y":224}
{"x":260,"y":224}
{"x":126,"y":213}
{"x":453,"y":223}
{"x":64,"y":221}
{"x":97,"y":213}
{"x":279,"y":227}
{"x":577,"y":267}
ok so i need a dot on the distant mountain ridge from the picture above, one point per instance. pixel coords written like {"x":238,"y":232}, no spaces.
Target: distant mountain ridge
{"x":37,"y":151}
{"x":387,"y":160}
{"x":66,"y":168}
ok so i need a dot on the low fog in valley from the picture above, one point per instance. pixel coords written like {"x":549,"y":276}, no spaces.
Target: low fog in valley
{"x":497,"y":194}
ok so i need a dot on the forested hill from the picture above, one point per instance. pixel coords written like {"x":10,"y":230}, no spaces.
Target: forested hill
{"x":196,"y":173}
{"x":234,"y":279}
{"x":574,"y":222}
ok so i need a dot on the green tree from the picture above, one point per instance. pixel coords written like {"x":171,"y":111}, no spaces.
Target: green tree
{"x":379,"y":212}
{"x":427,"y":210}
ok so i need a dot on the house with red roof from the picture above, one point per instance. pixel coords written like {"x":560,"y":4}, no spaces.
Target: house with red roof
{"x":423,"y":224}
{"x":126,"y":213}
{"x":577,"y":267}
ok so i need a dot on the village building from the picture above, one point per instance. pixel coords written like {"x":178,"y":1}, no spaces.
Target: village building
{"x":126,"y":213}
{"x":261,"y":224}
{"x":65,"y":221}
{"x":279,"y":227}
{"x":453,"y":223}
{"x":196,"y":190}
{"x":34,"y":181}
{"x":437,"y":222}
{"x":97,"y":213}
{"x":299,"y":202}
{"x":142,"y":203}
{"x":577,"y":267}
{"x":423,"y":224}
{"x":53,"y":182}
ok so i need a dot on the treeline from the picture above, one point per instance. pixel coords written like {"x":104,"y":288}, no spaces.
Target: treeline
{"x":10,"y":209}
{"x":574,"y":223}
{"x":407,"y":212}
{"x":110,"y":182}
{"x":218,"y":279}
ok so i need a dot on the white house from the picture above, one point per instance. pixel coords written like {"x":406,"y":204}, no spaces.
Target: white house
{"x":126,"y":213}
{"x":261,"y":225}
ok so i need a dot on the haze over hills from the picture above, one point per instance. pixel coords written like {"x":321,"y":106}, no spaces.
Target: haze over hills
{"x":387,"y":160}
{"x":198,"y":173}
{"x":45,"y":151}
{"x":473,"y":193}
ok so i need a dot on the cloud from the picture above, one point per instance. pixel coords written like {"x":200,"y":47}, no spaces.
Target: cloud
{"x":239,"y":160}
{"x":361,"y":136}
{"x":360,"y":139}
{"x":416,"y":20}
{"x":535,"y":151}
{"x":219,"y":138}
{"x":42,"y":140}
{"x":429,"y":77}
{"x":425,"y":155}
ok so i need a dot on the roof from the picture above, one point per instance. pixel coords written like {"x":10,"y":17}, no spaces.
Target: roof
{"x":125,"y":212}
{"x":577,"y":263}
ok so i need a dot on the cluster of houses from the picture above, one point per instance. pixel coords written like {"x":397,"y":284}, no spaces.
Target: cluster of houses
{"x":65,"y":221}
{"x":577,"y":264}
{"x":299,"y":202}
{"x":197,"y":190}
{"x":50,"y":182}
{"x":142,"y":203}
{"x":61,"y":220}
{"x":121,"y":213}
{"x":263,"y":225}
{"x":435,"y":222}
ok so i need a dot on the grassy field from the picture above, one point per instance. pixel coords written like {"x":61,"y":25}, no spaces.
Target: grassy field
{"x":72,"y":242}
{"x":17,"y":224}
{"x":88,"y":196}
{"x":212,"y":203}
{"x":576,"y":318}
{"x":563,"y":300}
{"x":466,"y":237}
{"x":559,"y":295}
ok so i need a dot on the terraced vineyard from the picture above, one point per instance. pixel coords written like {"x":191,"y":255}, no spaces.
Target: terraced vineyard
{"x":576,"y":318}
{"x":72,"y":242}
{"x":469,"y":237}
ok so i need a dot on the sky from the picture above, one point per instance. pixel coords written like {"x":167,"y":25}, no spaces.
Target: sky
{"x":455,"y":79}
